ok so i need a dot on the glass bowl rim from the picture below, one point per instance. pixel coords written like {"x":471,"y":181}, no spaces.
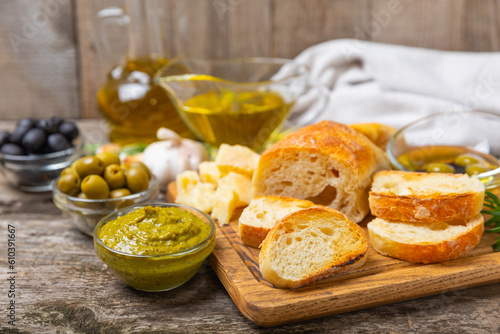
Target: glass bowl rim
{"x":303,"y":68}
{"x":153,"y":184}
{"x":202,"y":244}
{"x":390,"y":144}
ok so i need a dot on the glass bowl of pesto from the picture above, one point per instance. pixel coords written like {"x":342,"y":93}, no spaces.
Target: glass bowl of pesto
{"x":84,"y":214}
{"x":155,"y":247}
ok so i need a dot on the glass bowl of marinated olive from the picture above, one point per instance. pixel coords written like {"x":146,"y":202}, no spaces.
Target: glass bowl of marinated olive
{"x":36,"y":152}
{"x":94,"y":186}
{"x":450,"y":142}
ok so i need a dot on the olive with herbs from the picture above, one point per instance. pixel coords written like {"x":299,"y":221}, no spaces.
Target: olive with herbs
{"x":95,"y":187}
{"x":88,"y":165}
{"x":137,"y":179}
{"x":69,"y":184}
{"x":115,"y":176}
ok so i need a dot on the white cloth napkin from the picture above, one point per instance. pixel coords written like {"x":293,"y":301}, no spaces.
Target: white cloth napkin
{"x":395,"y":85}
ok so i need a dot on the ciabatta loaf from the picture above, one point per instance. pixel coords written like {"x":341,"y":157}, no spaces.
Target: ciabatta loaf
{"x":263,"y":213}
{"x":425,"y":197}
{"x":309,"y":245}
{"x":327,"y":163}
{"x":424,"y":243}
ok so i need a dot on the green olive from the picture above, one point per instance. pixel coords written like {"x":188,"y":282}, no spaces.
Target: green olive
{"x":69,"y":184}
{"x":439,"y":167}
{"x":475,"y":169}
{"x":142,"y":166}
{"x":120,"y":192}
{"x":95,"y":187}
{"x":88,"y":165}
{"x":69,"y":170}
{"x":467,"y":159}
{"x":115,"y":176}
{"x":137,"y":180}
{"x":108,"y":158}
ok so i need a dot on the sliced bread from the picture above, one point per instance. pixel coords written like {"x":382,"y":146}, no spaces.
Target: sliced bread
{"x":309,"y":245}
{"x":424,"y":243}
{"x":263,"y":213}
{"x":425,"y":197}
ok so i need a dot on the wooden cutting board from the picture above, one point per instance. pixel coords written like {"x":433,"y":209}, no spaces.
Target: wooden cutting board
{"x":381,"y":280}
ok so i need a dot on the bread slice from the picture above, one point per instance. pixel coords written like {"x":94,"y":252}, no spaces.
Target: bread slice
{"x":327,"y":163}
{"x":309,"y":245}
{"x":425,"y":197}
{"x":263,"y":213}
{"x":425,"y":243}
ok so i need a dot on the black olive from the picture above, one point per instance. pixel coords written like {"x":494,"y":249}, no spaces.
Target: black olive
{"x":57,"y":142}
{"x":13,"y":149}
{"x":19,"y":133}
{"x":47,"y":125}
{"x":34,"y":140}
{"x":4,"y":137}
{"x":56,"y":120}
{"x":27,"y":123}
{"x":69,"y":130}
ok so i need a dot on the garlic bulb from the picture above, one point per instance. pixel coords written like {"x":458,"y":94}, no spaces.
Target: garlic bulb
{"x":172,"y":155}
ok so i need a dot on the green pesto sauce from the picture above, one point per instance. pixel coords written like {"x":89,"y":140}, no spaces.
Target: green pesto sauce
{"x":154,"y":231}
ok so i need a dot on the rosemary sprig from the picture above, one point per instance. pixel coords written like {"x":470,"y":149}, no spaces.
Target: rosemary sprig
{"x":492,"y":202}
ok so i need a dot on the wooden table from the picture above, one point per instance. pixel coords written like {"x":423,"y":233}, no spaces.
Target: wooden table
{"x":62,"y":287}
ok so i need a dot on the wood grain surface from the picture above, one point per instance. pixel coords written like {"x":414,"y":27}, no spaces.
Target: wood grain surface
{"x":57,"y":68}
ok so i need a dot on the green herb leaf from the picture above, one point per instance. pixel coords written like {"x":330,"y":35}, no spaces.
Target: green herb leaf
{"x":492,"y":202}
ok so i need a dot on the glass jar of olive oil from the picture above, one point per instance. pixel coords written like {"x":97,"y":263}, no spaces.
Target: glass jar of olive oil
{"x":132,"y":103}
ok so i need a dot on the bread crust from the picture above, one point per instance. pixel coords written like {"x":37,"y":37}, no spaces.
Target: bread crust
{"x":445,"y":250}
{"x":426,"y":208}
{"x":344,"y":144}
{"x":350,"y":262}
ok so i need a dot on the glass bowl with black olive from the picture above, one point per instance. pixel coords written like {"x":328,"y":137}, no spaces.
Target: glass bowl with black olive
{"x":36,"y":151}
{"x":85,"y":213}
{"x":450,"y":142}
{"x":155,"y":247}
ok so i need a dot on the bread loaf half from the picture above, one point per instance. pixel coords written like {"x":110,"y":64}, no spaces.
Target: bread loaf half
{"x":425,"y":197}
{"x":309,"y":245}
{"x":327,"y":163}
{"x":425,"y":243}
{"x":263,"y":213}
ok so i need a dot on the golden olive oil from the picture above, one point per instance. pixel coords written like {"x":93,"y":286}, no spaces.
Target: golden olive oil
{"x":135,"y":106}
{"x":232,"y":117}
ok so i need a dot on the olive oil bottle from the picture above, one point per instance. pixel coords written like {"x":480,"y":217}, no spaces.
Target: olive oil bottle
{"x":133,"y":104}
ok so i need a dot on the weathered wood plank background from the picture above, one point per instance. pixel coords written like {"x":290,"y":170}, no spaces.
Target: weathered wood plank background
{"x":50,"y":63}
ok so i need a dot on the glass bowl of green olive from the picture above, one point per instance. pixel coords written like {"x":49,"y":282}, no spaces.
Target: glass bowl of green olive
{"x":450,"y":142}
{"x":94,"y":186}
